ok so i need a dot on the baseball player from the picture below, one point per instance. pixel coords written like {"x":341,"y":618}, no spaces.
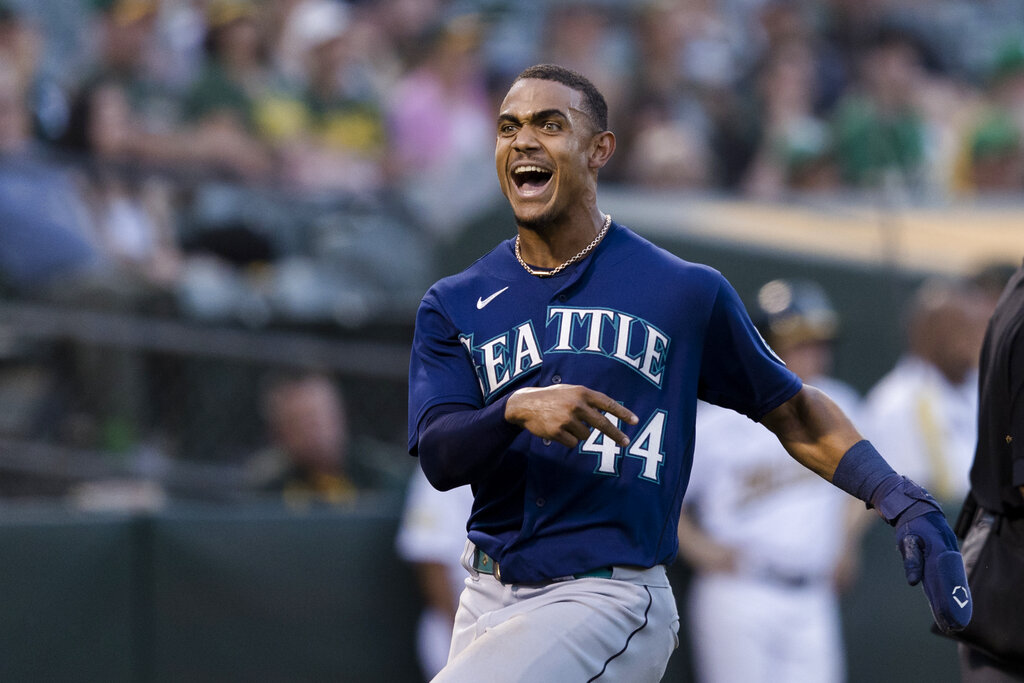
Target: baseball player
{"x":754,"y":567}
{"x":559,"y":376}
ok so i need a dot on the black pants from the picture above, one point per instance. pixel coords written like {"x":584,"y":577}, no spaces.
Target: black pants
{"x":976,"y":667}
{"x":991,"y":563}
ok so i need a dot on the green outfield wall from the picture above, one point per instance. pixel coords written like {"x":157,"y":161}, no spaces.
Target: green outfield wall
{"x":268,"y":594}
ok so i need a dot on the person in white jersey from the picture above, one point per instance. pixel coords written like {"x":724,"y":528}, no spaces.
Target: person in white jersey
{"x":770,"y":543}
{"x":431,"y":537}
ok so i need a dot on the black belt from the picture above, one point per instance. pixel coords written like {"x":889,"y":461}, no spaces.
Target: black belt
{"x":790,"y":580}
{"x":483,"y":563}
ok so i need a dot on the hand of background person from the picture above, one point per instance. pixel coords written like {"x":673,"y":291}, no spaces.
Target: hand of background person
{"x":566,"y":413}
{"x":701,"y":551}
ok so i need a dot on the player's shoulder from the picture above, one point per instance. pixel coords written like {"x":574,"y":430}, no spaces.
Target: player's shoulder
{"x":494,"y":266}
{"x":642,"y":252}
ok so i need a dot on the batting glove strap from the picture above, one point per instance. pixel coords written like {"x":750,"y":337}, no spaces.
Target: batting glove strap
{"x":898,"y":500}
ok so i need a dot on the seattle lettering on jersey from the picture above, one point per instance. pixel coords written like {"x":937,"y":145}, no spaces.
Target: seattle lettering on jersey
{"x":627,"y":339}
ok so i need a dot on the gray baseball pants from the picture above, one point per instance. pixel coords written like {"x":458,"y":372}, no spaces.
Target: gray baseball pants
{"x":622,"y":628}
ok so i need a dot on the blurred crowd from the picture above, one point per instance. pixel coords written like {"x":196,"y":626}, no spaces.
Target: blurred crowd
{"x":180,"y":145}
{"x":332,"y":98}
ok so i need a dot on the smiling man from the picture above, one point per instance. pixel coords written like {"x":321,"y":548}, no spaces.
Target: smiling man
{"x":559,"y":376}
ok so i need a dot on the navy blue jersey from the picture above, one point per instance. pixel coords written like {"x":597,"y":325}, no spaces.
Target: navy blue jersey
{"x":632,"y":321}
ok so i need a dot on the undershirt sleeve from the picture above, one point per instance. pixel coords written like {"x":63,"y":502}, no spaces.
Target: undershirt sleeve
{"x":440,"y":369}
{"x":458,"y":443}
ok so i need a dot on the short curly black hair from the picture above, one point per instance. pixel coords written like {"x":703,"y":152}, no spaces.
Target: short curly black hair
{"x":596,"y":107}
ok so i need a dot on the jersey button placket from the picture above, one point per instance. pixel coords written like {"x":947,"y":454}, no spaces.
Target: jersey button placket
{"x":557,"y":379}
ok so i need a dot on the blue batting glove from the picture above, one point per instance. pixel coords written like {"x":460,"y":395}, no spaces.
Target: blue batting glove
{"x":929,"y":549}
{"x":931,"y":557}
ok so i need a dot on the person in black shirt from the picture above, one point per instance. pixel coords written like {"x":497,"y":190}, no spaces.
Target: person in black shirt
{"x":992,"y":520}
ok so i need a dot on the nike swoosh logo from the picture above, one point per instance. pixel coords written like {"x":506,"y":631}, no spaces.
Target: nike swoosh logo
{"x":480,"y":303}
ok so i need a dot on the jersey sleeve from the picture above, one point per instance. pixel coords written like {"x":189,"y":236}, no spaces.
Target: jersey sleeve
{"x":738,"y":369}
{"x":440,"y":369}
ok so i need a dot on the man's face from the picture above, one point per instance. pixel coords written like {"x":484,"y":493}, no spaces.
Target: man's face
{"x":543,"y":151}
{"x":308,"y":421}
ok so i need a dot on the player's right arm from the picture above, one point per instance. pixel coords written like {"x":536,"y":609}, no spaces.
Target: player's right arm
{"x":458,"y":436}
{"x":566,"y":413}
{"x":459,"y":444}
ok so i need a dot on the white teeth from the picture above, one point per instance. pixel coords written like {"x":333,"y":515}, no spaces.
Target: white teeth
{"x":530,"y":169}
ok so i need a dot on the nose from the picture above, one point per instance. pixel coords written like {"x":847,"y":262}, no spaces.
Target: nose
{"x":525,"y":139}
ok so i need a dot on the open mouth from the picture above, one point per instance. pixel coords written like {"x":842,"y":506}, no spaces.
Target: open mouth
{"x":531,"y":179}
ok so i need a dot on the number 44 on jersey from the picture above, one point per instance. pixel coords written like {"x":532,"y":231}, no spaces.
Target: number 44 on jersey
{"x":647,"y":446}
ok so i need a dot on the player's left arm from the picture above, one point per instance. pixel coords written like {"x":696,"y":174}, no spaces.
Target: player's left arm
{"x":816,"y":432}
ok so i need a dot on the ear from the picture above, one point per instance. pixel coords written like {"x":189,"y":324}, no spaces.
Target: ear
{"x":602,"y":146}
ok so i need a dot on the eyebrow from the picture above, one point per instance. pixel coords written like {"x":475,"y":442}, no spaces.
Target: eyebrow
{"x":540,"y":115}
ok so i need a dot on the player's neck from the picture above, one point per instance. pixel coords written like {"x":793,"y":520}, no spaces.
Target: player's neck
{"x":551,"y":244}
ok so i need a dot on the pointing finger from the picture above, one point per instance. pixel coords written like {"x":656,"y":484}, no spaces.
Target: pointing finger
{"x":601,"y":423}
{"x":605,"y":426}
{"x":610,"y":405}
{"x":577,"y":430}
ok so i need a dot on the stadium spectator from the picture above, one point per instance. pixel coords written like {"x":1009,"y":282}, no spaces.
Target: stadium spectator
{"x":308,"y":459}
{"x":667,"y":132}
{"x":688,"y":65}
{"x":224,"y":103}
{"x":585,"y":36}
{"x":408,"y":27}
{"x":794,"y":151}
{"x":880,"y":128}
{"x":21,"y":43}
{"x":337,"y":141}
{"x":45,"y":232}
{"x":995,"y":145}
{"x":924,"y":410}
{"x":441,"y":126}
{"x":779,"y":23}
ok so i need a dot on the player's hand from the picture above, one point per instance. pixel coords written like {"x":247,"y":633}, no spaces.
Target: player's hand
{"x":566,"y":413}
{"x":929,"y":549}
{"x":931,"y":557}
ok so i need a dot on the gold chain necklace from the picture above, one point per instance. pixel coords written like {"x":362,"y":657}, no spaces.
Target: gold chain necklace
{"x":574,"y":259}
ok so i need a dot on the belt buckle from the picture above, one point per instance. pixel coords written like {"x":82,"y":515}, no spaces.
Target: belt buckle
{"x":481,"y":561}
